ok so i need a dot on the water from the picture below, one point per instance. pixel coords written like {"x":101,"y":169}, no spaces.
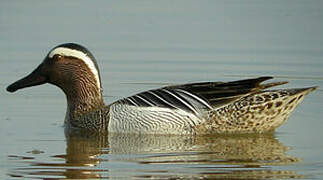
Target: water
{"x":147,"y":44}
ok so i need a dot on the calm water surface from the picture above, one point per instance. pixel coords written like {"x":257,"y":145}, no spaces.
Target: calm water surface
{"x":147,"y":44}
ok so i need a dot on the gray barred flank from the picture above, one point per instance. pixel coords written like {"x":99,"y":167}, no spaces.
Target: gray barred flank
{"x":155,"y":120}
{"x":171,"y":116}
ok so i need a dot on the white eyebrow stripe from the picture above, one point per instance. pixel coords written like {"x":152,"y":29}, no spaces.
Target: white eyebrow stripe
{"x":79,"y":55}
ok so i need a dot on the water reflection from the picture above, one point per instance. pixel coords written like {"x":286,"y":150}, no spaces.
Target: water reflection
{"x":152,"y":156}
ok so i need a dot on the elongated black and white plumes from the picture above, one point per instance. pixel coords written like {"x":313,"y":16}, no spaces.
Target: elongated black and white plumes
{"x":196,"y":98}
{"x":169,"y":98}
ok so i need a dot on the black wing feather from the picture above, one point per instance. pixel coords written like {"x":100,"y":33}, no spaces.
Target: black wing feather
{"x":220,"y":93}
{"x":197,"y":97}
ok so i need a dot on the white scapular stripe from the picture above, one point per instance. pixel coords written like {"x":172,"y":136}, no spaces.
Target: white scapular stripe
{"x":143,"y":99}
{"x":154,"y":94}
{"x":182,"y":101}
{"x":195,"y":97}
{"x":79,"y":55}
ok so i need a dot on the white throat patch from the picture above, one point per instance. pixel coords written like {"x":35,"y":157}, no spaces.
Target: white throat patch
{"x":79,"y":55}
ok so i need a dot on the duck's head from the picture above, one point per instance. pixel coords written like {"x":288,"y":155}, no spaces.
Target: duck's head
{"x":69,"y":66}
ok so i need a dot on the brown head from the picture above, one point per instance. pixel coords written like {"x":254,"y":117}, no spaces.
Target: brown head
{"x":73,"y":69}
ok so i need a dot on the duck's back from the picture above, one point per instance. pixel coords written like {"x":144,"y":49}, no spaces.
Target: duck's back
{"x":204,"y":108}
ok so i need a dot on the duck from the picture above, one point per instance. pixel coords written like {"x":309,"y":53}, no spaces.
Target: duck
{"x":241,"y":106}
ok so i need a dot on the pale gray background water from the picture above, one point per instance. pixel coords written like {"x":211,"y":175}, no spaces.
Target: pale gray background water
{"x":146,"y":44}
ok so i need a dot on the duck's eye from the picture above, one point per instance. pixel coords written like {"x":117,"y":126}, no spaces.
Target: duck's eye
{"x":57,"y":57}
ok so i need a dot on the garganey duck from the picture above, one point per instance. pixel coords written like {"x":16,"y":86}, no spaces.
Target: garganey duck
{"x":243,"y":106}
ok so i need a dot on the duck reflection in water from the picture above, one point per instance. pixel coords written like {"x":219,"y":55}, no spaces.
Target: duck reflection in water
{"x":217,"y":156}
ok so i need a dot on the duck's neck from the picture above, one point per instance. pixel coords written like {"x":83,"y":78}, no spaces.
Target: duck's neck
{"x":86,"y":110}
{"x":83,"y":99}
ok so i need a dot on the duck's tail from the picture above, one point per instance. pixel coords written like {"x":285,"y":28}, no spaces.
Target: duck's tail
{"x":260,"y":112}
